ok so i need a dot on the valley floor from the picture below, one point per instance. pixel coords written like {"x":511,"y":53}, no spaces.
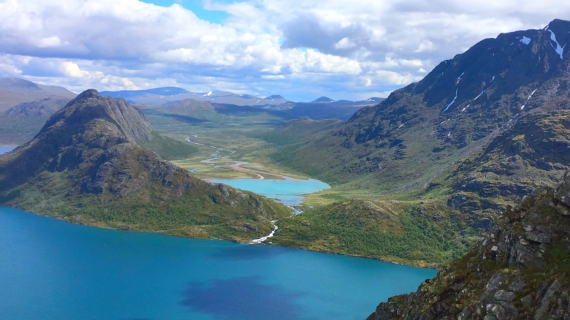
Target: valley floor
{"x":344,"y":219}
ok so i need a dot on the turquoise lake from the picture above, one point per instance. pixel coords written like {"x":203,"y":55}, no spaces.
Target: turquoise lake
{"x":51,"y":269}
{"x":289,"y":192}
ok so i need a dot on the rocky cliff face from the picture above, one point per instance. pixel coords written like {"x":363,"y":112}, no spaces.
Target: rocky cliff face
{"x":87,"y":165}
{"x":520,"y":270}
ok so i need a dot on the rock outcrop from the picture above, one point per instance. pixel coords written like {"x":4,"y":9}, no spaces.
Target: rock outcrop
{"x":519,"y":270}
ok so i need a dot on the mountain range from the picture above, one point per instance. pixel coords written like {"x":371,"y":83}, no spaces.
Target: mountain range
{"x":168,"y":95}
{"x":31,"y":104}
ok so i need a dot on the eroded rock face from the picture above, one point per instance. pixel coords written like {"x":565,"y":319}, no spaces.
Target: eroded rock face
{"x":519,"y":270}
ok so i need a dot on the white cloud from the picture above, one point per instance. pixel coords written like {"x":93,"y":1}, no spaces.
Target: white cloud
{"x":344,"y":43}
{"x":394,"y":78}
{"x":293,"y":44}
{"x":49,"y":42}
{"x":71,"y":69}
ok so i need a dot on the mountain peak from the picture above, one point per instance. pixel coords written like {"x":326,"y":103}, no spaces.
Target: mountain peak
{"x":91,"y":112}
{"x":563,"y":25}
{"x":88,"y":94}
{"x":89,"y":164}
{"x":323,"y":100}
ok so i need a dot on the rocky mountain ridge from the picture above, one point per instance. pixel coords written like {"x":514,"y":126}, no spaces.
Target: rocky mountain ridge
{"x":87,"y":165}
{"x":519,"y":270}
{"x":414,"y":140}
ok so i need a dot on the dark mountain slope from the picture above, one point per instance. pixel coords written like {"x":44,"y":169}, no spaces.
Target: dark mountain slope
{"x":533,"y":152}
{"x":477,"y":134}
{"x":457,"y":106}
{"x":420,"y":130}
{"x":87,"y":165}
{"x":520,"y":270}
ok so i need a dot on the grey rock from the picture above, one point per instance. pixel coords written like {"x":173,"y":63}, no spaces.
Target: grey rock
{"x":503,"y":295}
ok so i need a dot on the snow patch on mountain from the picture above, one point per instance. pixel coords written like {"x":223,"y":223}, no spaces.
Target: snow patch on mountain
{"x":480,"y":94}
{"x":558,"y":48}
{"x":459,"y":78}
{"x":452,"y":101}
{"x":530,"y":96}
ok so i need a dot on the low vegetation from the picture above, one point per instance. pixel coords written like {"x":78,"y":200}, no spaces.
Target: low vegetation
{"x":395,"y":231}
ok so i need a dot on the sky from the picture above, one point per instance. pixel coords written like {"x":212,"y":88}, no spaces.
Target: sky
{"x":300,"y":49}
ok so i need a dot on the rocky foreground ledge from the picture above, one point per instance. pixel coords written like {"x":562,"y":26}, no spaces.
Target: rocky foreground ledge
{"x":519,"y":270}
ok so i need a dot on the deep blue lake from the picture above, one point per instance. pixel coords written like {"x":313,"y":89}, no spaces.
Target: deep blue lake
{"x":50,"y":269}
{"x":289,"y":192}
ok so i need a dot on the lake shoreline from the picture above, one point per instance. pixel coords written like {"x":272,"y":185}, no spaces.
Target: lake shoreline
{"x":274,"y":197}
{"x":245,"y":242}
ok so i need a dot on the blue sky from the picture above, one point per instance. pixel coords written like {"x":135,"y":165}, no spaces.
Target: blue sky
{"x":196,"y":6}
{"x":301,"y":49}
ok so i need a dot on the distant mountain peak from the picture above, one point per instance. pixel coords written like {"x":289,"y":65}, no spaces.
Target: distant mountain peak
{"x":323,"y":100}
{"x":130,"y":123}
